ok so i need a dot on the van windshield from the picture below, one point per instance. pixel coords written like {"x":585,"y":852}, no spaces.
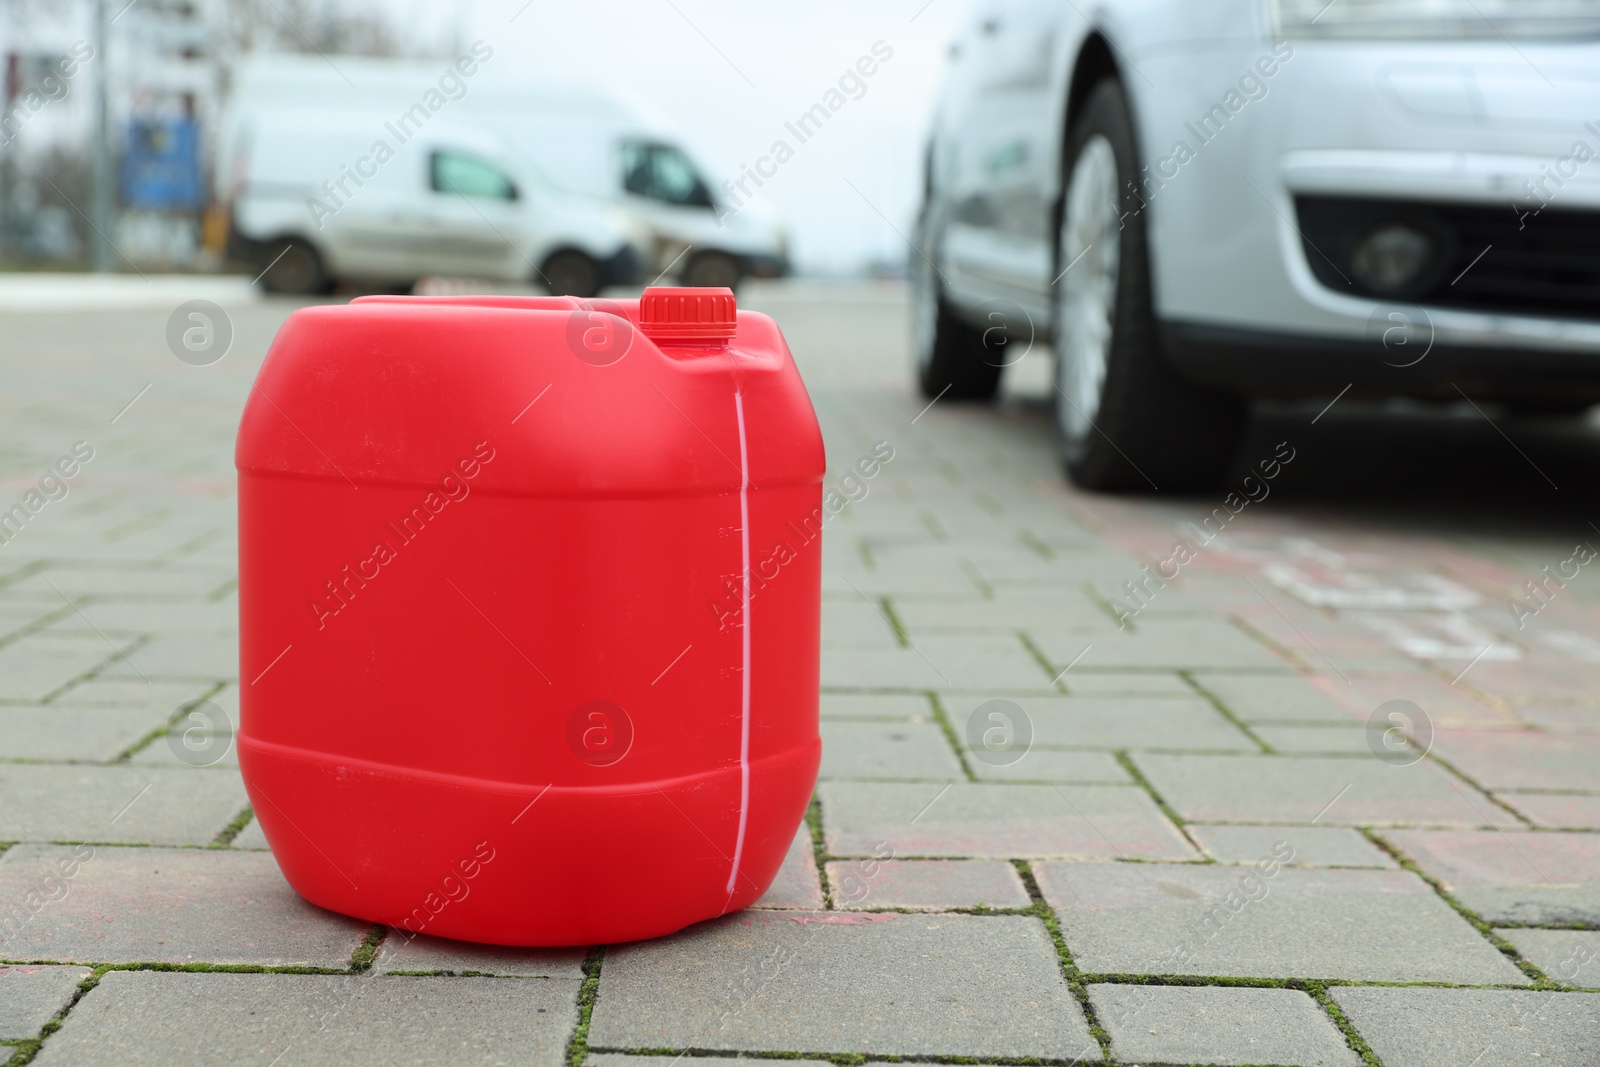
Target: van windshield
{"x":661,"y":172}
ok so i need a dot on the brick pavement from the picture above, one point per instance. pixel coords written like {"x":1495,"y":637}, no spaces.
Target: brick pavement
{"x":1185,"y":844}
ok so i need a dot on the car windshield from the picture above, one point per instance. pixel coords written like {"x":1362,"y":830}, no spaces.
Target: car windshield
{"x":662,"y":172}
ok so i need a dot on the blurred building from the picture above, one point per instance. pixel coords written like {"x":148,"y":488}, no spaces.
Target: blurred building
{"x":161,"y":87}
{"x":167,"y":69}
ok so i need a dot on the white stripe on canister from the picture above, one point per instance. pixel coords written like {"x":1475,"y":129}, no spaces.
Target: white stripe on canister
{"x":744,"y":629}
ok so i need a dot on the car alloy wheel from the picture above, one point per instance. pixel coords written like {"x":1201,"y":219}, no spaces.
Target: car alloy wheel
{"x":1086,"y":292}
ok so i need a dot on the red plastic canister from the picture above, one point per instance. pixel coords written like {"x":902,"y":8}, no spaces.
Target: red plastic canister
{"x":529,"y":611}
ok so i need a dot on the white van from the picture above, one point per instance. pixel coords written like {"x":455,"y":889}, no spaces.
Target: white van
{"x":318,"y":199}
{"x":584,"y":140}
{"x":590,"y":172}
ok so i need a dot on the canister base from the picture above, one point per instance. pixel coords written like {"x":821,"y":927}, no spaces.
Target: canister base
{"x":523,"y":864}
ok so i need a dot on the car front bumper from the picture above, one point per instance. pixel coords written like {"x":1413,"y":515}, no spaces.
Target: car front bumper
{"x":1430,"y":122}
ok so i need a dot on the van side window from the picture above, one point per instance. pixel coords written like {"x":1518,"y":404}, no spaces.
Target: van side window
{"x":661,"y":172}
{"x":464,"y":175}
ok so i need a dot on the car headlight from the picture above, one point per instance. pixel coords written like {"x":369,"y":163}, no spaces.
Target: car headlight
{"x":1435,"y":19}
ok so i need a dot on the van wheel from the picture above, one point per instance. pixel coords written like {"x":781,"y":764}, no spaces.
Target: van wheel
{"x":713,"y":269}
{"x":953,"y":360}
{"x":293,"y":266}
{"x":571,"y":273}
{"x":1126,"y":420}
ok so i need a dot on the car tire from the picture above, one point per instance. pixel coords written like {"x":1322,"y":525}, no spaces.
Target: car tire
{"x":572,"y":273}
{"x":293,"y":266}
{"x":712,"y":270}
{"x":954,"y":361}
{"x":1125,"y":419}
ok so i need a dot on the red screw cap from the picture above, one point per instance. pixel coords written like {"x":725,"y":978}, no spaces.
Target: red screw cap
{"x":688,"y":314}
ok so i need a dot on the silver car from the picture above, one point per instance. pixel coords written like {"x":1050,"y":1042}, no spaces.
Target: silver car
{"x":1204,"y":203}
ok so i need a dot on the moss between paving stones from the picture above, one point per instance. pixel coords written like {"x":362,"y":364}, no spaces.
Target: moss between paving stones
{"x":1357,"y":1043}
{"x":361,"y":959}
{"x":1069,"y":968}
{"x":94,"y":672}
{"x":950,"y":735}
{"x":1541,"y":981}
{"x":588,"y":993}
{"x":819,"y":848}
{"x":1105,"y":606}
{"x":1522,"y":819}
{"x":225,"y":836}
{"x":1223,"y":710}
{"x":1041,"y":659}
{"x":1122,"y":757}
{"x":27,"y":1050}
{"x":896,"y":623}
{"x":127,"y":754}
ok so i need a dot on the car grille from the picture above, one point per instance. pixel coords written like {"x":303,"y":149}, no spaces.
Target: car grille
{"x":1489,"y":258}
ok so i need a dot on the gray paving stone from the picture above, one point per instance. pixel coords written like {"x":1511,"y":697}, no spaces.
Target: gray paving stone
{"x":181,"y":656}
{"x":1116,"y":722}
{"x":911,"y":580}
{"x":936,"y":663}
{"x":1512,"y":876}
{"x":611,"y":1059}
{"x":200,"y":737}
{"x":1066,"y":610}
{"x":31,"y":997}
{"x":1081,"y":681}
{"x":996,"y":821}
{"x":1218,"y":1024}
{"x":1175,"y":602}
{"x":37,"y":664}
{"x":908,"y":706}
{"x":847,"y":667}
{"x":1314,"y":846}
{"x":159,"y":905}
{"x":1561,"y":719}
{"x":1349,"y":739}
{"x":1557,"y":810}
{"x":120,"y":581}
{"x":52,"y":732}
{"x":120,"y":803}
{"x":1273,"y":698}
{"x":887,"y":750}
{"x":1523,"y":759}
{"x":881,"y":984}
{"x":797,"y":885}
{"x":1568,"y":956}
{"x":251,"y":836}
{"x":1343,"y":792}
{"x":1481,"y":1027}
{"x":221,"y":748}
{"x":926,"y":885}
{"x":1139,"y":918}
{"x":856,"y":622}
{"x":985,"y":664}
{"x":403,"y":952}
{"x":1023,"y":568}
{"x":139,"y":1018}
{"x":134,"y":693}
{"x":1172,"y":644}
{"x":1055,"y":765}
{"x":155,"y":617}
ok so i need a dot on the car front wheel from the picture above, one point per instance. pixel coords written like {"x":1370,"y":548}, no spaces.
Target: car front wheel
{"x":1126,"y":421}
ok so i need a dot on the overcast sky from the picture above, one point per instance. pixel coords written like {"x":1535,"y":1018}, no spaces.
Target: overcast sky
{"x":730,"y":73}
